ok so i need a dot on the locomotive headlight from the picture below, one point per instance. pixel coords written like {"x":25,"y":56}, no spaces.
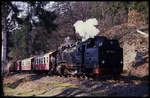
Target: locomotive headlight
{"x":103,"y":61}
{"x":121,"y":62}
{"x":111,"y":42}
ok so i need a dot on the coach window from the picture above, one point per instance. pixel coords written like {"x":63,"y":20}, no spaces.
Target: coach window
{"x":44,"y":60}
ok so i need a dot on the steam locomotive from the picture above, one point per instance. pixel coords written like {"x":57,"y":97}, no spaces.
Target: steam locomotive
{"x":94,"y":57}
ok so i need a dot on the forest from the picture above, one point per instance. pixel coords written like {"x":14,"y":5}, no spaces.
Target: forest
{"x":36,"y":27}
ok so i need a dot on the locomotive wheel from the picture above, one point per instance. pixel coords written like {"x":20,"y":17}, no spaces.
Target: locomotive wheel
{"x":62,"y":70}
{"x":65,"y":72}
{"x":59,"y":70}
{"x":84,"y":76}
{"x":95,"y":77}
{"x":50,"y":73}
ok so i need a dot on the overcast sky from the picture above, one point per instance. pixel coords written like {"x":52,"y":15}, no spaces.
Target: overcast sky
{"x":23,"y":6}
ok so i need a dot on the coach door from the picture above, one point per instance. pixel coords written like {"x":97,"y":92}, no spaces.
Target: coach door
{"x":20,"y":65}
{"x":49,"y":61}
{"x":32,"y":62}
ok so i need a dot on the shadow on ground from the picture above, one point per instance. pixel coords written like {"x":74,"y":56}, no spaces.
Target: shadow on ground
{"x":110,"y":89}
{"x":25,"y":79}
{"x":95,"y":88}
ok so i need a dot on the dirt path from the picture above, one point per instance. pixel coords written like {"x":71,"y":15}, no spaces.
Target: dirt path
{"x":43,"y":85}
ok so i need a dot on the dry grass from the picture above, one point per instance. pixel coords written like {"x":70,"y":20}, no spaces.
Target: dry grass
{"x":99,"y":93}
{"x":67,"y":85}
{"x":27,"y":87}
{"x":57,"y":86}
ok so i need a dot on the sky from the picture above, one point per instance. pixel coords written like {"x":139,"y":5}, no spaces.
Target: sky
{"x":23,"y":6}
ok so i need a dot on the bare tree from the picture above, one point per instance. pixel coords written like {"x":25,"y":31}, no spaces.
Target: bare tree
{"x":4,"y":11}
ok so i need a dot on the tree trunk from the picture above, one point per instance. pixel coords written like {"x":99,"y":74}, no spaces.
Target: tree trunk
{"x":70,"y":9}
{"x":3,"y":58}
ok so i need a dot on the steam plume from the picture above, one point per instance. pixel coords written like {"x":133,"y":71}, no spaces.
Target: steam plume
{"x":67,"y":39}
{"x":86,"y":29}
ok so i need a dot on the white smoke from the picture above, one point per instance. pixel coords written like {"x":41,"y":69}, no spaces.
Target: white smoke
{"x":86,"y":29}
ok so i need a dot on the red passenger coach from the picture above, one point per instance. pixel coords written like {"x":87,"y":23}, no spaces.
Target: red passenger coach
{"x":26,"y":64}
{"x":42,"y":62}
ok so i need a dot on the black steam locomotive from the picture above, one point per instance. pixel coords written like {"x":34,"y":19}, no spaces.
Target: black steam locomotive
{"x":93,"y":58}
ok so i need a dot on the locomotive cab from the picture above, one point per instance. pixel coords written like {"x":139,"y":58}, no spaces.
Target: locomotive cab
{"x":102,"y":57}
